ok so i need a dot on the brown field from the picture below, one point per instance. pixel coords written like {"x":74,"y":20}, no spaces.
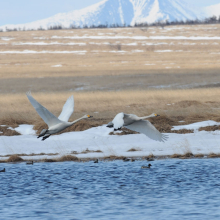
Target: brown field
{"x":110,"y":71}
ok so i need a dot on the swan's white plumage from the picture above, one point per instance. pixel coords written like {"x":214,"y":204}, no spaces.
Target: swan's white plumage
{"x":118,"y":121}
{"x":68,"y":109}
{"x":135,"y":123}
{"x":46,"y":115}
{"x":55,"y":124}
{"x":145,"y":127}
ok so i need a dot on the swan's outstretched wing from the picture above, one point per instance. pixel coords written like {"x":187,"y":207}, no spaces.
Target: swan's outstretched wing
{"x":118,"y":121}
{"x":145,"y":127}
{"x":47,"y":116}
{"x":68,"y":109}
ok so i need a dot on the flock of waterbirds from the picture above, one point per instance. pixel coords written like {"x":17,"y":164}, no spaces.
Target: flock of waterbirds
{"x":57,"y":124}
{"x":96,"y":161}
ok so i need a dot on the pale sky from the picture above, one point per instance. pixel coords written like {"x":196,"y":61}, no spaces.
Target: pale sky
{"x":23,"y":11}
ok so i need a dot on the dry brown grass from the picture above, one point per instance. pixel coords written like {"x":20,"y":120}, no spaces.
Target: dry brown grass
{"x":176,"y":156}
{"x":90,"y":151}
{"x":182,"y":156}
{"x":199,"y":155}
{"x":150,"y":156}
{"x":67,"y":158}
{"x":14,"y":158}
{"x":49,"y":160}
{"x":213,"y":155}
{"x":99,"y":57}
{"x":124,"y":131}
{"x":107,"y":82}
{"x":210,"y":128}
{"x":133,"y":150}
{"x":7,"y":132}
{"x":29,"y":155}
{"x":188,"y":155}
{"x":16,"y":109}
{"x":113,"y":157}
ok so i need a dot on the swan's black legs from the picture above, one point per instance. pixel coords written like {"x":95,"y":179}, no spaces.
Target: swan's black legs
{"x":45,"y":137}
{"x":119,"y":129}
{"x":43,"y":132}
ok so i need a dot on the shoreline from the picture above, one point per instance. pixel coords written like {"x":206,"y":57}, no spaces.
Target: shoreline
{"x":73,"y":158}
{"x":98,"y":143}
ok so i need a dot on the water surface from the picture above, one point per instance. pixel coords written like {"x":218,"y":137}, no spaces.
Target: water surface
{"x":171,"y":189}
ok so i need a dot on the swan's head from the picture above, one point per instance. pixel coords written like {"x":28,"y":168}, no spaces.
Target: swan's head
{"x":88,"y":116}
{"x":154,"y":115}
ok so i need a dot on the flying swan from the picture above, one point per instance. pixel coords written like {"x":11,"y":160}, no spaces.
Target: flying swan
{"x":55,"y":124}
{"x":138,"y":124}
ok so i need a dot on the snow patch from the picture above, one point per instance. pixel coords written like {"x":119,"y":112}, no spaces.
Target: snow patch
{"x":6,"y":38}
{"x":163,"y":51}
{"x":25,"y":129}
{"x":98,"y":138}
{"x":196,"y":126}
{"x":51,"y":43}
{"x":59,"y":65}
{"x":82,"y":52}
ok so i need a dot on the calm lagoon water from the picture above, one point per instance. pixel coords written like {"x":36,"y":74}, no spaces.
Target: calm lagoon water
{"x":171,"y":189}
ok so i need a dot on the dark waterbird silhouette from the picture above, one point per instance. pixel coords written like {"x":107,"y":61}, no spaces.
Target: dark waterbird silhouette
{"x":2,"y":170}
{"x":126,"y":159}
{"x":146,"y":167}
{"x":30,"y":162}
{"x":149,"y":159}
{"x":96,"y":161}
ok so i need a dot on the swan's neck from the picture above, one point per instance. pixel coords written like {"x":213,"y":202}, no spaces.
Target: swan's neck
{"x":145,"y":117}
{"x":73,"y":122}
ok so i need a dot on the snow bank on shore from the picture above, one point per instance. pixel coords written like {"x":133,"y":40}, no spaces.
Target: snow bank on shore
{"x":98,"y":139}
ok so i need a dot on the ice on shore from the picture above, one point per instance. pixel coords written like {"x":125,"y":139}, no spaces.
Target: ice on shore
{"x":98,"y":138}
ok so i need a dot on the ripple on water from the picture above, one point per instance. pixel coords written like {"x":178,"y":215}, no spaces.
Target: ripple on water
{"x":171,"y":189}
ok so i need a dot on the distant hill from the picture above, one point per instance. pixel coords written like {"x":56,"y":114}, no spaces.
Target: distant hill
{"x":120,"y":12}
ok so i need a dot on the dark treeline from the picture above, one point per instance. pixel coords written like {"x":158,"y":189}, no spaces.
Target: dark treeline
{"x":210,"y":20}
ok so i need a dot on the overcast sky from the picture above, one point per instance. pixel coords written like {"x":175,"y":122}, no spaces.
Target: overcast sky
{"x":23,"y":11}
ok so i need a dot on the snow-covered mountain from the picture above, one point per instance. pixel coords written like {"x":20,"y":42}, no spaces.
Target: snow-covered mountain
{"x":119,"y":12}
{"x":213,"y":10}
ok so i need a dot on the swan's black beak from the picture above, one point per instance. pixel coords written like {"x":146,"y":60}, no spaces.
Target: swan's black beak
{"x":110,"y":125}
{"x":89,"y":116}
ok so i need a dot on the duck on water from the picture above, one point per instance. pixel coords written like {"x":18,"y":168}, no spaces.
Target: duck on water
{"x":146,"y":167}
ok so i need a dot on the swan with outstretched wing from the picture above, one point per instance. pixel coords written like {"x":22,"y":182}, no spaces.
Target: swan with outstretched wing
{"x":55,"y":124}
{"x":138,"y":124}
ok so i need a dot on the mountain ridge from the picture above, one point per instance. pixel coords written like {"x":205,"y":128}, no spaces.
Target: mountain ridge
{"x":120,"y":12}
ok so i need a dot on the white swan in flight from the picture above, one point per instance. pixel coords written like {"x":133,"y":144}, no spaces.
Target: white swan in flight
{"x":55,"y":124}
{"x":138,"y":124}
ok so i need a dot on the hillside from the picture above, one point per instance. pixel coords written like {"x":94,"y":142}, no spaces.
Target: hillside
{"x":119,"y":12}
